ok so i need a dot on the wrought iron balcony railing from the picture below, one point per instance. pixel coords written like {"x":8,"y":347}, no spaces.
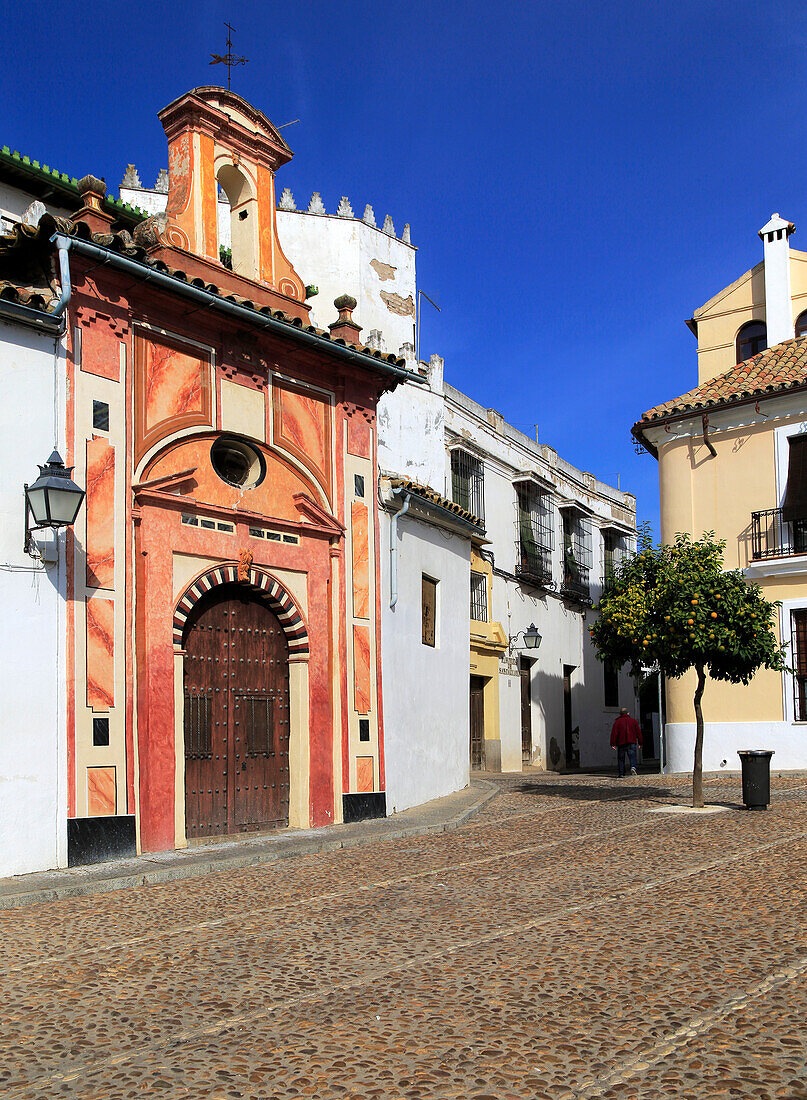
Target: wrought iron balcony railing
{"x":774,"y":537}
{"x":533,"y":564}
{"x":576,"y":584}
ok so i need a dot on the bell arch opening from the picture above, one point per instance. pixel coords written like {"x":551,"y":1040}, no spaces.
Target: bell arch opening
{"x":243,"y":203}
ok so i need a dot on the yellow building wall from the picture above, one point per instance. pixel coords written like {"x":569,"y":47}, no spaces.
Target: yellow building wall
{"x":488,"y":640}
{"x":700,"y":493}
{"x":721,"y":318}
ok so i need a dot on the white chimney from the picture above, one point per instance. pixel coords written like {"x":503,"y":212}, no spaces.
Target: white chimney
{"x":778,"y":299}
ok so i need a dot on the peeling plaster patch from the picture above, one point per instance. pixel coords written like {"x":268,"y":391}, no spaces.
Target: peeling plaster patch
{"x":382,"y":270}
{"x":404,"y":307}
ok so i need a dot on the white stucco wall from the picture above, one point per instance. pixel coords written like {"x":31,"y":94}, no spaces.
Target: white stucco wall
{"x":722,"y":740}
{"x":426,"y":715}
{"x":33,"y":776}
{"x":411,"y":430}
{"x":14,"y":202}
{"x":346,"y":256}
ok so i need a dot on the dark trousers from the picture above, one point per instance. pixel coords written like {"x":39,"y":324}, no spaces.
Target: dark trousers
{"x":623,"y":751}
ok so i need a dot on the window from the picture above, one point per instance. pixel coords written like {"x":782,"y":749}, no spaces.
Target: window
{"x":610,"y":674}
{"x":358,"y":485}
{"x":100,"y":732}
{"x":100,"y":416}
{"x":577,"y":556}
{"x":801,"y":324}
{"x":479,"y":597}
{"x":613,"y":551}
{"x":429,"y":611}
{"x":798,"y":655}
{"x":751,"y":340}
{"x":533,"y":534}
{"x":364,"y":729}
{"x":468,"y":483}
{"x":237,"y":462}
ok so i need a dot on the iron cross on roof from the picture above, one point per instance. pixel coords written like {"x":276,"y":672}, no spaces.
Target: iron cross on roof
{"x":229,"y":59}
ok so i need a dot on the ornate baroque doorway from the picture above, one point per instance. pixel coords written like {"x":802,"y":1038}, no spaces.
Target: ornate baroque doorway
{"x":236,"y":715}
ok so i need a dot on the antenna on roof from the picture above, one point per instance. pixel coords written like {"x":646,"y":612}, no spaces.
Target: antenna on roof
{"x":292,"y":123}
{"x":229,"y":59}
{"x":417,"y":322}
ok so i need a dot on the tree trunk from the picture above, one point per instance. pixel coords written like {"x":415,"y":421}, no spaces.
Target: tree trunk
{"x":697,"y":769}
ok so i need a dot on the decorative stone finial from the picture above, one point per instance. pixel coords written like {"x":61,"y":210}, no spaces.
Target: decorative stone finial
{"x":344,"y":327}
{"x":369,"y":216}
{"x":162,"y":181}
{"x":407,"y":352}
{"x":376,"y":340}
{"x":345,"y":302}
{"x":406,"y":236}
{"x":316,"y":206}
{"x":287,"y":200}
{"x":92,"y":190}
{"x":344,"y":210}
{"x":388,"y":227}
{"x":130,"y":177}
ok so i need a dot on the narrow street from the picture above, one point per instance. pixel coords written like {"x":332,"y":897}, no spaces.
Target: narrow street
{"x":566,"y":942}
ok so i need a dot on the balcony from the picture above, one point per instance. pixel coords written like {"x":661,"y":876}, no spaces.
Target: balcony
{"x":576,"y":583}
{"x":774,"y":537}
{"x":533,"y":563}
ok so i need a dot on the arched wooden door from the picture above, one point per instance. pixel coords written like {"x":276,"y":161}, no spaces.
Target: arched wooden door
{"x":236,"y":716}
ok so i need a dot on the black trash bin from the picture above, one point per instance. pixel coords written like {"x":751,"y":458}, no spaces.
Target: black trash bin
{"x":756,"y":765}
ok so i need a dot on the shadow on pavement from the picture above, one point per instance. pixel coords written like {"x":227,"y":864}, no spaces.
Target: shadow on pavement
{"x":587,"y":792}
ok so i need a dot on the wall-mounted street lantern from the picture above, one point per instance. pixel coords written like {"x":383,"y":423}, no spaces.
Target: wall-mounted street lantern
{"x":532,"y":639}
{"x":53,"y":500}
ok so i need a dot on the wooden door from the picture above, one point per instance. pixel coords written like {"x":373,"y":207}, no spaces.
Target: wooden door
{"x":526,"y":711}
{"x":236,"y":716}
{"x":477,"y":723}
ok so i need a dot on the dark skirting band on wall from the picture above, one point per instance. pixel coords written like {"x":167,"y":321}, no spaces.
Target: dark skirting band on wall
{"x":97,"y":839}
{"x":360,"y":807}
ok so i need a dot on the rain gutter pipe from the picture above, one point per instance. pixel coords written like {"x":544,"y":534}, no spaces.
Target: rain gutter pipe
{"x":222,"y":305}
{"x":393,"y":545}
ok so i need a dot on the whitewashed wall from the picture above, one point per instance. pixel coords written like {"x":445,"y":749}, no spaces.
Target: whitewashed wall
{"x":411,"y":429}
{"x":33,"y":777}
{"x":346,"y":256}
{"x":426,"y":717}
{"x":14,"y":202}
{"x":506,"y":453}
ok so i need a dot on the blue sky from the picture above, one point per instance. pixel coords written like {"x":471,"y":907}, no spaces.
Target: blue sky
{"x":579,"y":177}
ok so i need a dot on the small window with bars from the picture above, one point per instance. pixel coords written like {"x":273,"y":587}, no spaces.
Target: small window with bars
{"x":533,"y":534}
{"x":798,"y":655}
{"x":610,"y":673}
{"x":428,"y":611}
{"x":577,"y":554}
{"x":468,"y":483}
{"x":479,"y":597}
{"x":198,"y":727}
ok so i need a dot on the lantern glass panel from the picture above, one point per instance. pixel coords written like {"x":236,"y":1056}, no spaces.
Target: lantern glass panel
{"x":37,"y":500}
{"x":63,"y":505}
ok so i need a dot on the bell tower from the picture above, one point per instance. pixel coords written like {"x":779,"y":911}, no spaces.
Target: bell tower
{"x":217,"y":139}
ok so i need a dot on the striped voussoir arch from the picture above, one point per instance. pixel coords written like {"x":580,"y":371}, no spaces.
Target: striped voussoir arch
{"x":262,"y":585}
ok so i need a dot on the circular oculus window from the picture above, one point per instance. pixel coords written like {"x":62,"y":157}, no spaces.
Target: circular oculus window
{"x":237,"y":462}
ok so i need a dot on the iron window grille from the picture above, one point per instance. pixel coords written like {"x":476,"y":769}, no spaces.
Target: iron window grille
{"x":577,"y":555}
{"x":468,"y":483}
{"x":533,"y":534}
{"x":479,"y":597}
{"x":798,"y":652}
{"x":613,"y":554}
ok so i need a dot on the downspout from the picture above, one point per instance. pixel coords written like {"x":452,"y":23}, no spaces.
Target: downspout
{"x":63,"y":247}
{"x":707,"y":441}
{"x":393,"y":546}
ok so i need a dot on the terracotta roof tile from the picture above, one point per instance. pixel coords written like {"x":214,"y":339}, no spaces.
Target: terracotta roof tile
{"x":434,"y":497}
{"x":780,"y":368}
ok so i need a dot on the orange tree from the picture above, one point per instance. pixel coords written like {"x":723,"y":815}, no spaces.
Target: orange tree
{"x":676,"y":608}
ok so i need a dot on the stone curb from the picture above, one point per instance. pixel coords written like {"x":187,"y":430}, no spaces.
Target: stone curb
{"x":102,"y":878}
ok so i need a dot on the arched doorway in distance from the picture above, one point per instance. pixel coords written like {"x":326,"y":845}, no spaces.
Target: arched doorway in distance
{"x":236,"y":715}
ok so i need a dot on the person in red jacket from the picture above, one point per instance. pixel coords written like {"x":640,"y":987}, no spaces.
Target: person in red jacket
{"x":626,"y":734}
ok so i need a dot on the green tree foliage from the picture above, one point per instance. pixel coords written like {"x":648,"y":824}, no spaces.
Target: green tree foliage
{"x":677,"y":608}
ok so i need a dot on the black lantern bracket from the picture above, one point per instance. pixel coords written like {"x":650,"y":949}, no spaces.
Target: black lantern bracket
{"x":532,"y":639}
{"x":53,"y":501}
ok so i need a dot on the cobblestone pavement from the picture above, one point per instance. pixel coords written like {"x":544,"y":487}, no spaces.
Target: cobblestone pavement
{"x":564,"y":943}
